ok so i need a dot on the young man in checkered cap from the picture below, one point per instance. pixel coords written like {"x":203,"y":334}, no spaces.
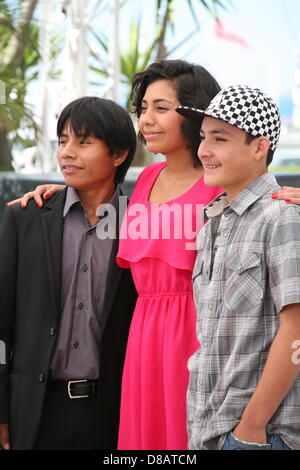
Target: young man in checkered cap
{"x":244,"y":390}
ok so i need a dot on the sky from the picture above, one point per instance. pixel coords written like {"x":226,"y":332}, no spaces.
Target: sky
{"x":268,"y":60}
{"x":269,"y":28}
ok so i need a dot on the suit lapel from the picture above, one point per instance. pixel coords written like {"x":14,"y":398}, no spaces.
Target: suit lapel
{"x":114,"y":274}
{"x":52,"y":228}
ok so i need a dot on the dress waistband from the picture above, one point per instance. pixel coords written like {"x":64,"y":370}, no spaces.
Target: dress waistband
{"x":165,"y":294}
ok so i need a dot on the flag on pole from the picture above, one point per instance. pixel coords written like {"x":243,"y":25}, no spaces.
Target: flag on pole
{"x":223,"y":33}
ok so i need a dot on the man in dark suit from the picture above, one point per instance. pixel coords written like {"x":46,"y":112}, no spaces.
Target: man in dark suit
{"x":65,"y":306}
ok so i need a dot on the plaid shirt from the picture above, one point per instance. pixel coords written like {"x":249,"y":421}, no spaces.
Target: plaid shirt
{"x":247,"y":269}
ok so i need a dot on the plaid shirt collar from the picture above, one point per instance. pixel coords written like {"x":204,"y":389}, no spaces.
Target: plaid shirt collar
{"x":264,"y":184}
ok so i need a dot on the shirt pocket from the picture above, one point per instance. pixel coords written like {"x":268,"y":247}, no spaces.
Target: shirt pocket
{"x":244,"y":286}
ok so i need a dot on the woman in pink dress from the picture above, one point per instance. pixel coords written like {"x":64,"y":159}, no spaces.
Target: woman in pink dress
{"x":157,"y":244}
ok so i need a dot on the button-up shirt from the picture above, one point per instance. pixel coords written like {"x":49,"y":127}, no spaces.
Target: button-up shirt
{"x":247,"y":269}
{"x":84,"y":272}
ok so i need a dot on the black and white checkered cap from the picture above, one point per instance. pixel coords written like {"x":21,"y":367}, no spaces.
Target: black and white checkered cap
{"x":247,"y":108}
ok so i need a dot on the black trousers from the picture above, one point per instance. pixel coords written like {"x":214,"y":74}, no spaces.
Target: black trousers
{"x":67,"y":424}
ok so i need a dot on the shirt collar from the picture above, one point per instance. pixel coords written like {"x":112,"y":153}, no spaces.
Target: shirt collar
{"x":263,"y":185}
{"x":73,"y":198}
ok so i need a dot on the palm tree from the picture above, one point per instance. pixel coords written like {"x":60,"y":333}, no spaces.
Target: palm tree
{"x":164,"y":18}
{"x":133,"y":60}
{"x":18,"y":59}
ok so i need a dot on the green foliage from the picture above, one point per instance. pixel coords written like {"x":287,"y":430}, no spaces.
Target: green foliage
{"x":18,"y":73}
{"x":131,"y":61}
{"x":134,"y":59}
{"x":209,"y":5}
{"x":285,"y":168}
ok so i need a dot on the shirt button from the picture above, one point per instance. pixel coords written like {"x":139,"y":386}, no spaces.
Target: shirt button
{"x":85,"y":268}
{"x":76,"y":344}
{"x":210,"y":306}
{"x":225,"y":234}
{"x":80,"y":306}
{"x":52,"y":332}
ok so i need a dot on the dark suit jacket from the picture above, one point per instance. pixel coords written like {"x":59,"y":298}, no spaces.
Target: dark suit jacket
{"x":30,"y":283}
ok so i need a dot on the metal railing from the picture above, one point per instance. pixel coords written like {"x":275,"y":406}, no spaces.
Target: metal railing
{"x":13,"y":185}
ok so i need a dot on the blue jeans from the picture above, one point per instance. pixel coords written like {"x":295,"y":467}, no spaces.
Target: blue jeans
{"x":274,"y":443}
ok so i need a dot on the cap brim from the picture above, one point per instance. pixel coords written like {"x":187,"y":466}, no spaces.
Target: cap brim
{"x":191,"y":113}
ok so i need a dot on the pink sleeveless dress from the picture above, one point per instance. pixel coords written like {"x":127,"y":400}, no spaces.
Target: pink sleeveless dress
{"x":157,"y":243}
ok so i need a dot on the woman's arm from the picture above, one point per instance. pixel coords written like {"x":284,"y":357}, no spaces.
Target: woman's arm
{"x":44,"y":190}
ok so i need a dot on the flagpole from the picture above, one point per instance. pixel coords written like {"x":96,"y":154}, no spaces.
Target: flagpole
{"x":114,"y":53}
{"x":43,"y":140}
{"x":75,"y":51}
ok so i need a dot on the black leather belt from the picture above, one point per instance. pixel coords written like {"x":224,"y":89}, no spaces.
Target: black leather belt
{"x":81,"y":388}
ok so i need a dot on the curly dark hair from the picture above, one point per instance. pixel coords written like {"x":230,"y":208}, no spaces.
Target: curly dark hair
{"x":194,"y":86}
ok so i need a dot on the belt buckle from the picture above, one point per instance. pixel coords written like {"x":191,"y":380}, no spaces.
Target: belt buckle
{"x":70,"y":382}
